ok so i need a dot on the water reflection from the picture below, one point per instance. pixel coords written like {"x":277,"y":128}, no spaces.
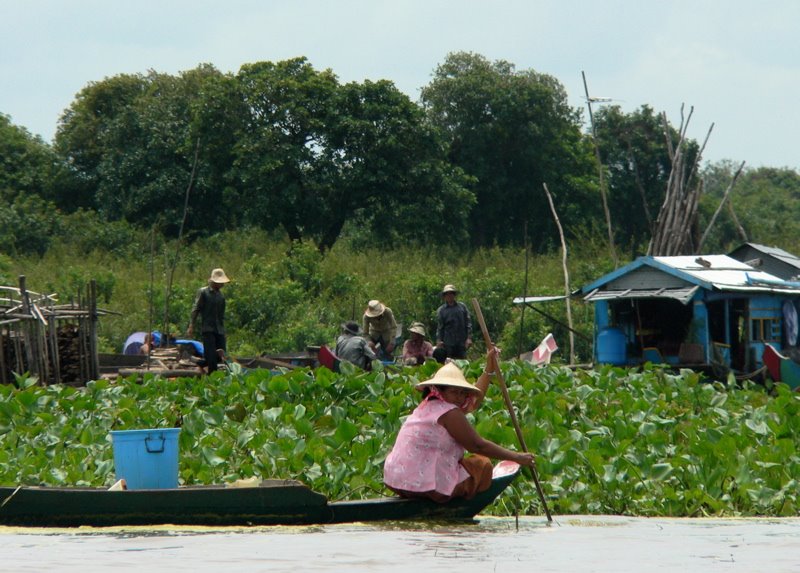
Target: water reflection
{"x":571,"y":543}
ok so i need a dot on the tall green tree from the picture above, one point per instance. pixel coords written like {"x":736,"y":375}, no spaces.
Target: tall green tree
{"x":30,"y":175}
{"x":137,"y":142}
{"x":27,"y":164}
{"x":84,"y":130}
{"x":513,"y":131}
{"x":314,"y":155}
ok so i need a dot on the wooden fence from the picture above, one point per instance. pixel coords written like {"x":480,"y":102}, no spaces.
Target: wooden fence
{"x":56,"y":343}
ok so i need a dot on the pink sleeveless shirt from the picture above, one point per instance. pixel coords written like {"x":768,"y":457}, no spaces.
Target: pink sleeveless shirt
{"x":425,"y":456}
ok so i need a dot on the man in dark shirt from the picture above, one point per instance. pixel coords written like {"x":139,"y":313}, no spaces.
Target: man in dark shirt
{"x":210,"y":307}
{"x":353,"y":348}
{"x":454,"y":327}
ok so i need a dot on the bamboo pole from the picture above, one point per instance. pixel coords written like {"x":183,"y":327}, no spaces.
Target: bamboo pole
{"x":524,"y":296}
{"x":601,"y":175}
{"x":170,"y":276}
{"x":674,"y":232}
{"x":504,"y":389}
{"x":567,"y":289}
{"x":31,"y":351}
{"x":724,"y":200}
{"x":3,"y":375}
{"x":52,"y":329}
{"x":94,"y":359}
{"x":739,"y":227}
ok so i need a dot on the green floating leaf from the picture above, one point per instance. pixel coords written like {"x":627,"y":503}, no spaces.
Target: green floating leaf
{"x":211,"y":457}
{"x":346,"y":431}
{"x":759,"y":428}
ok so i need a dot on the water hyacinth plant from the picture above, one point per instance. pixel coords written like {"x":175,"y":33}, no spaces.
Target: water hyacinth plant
{"x":608,"y":441}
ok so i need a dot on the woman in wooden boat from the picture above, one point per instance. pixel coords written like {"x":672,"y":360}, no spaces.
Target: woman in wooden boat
{"x":427,"y":459}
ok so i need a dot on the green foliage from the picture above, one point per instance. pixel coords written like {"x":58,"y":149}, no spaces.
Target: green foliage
{"x":5,"y":270}
{"x":638,"y":442}
{"x":28,"y":225}
{"x":764,"y":204}
{"x":27,"y":164}
{"x":137,"y":142}
{"x":511,"y":131}
{"x":314,"y":155}
{"x":85,"y":232}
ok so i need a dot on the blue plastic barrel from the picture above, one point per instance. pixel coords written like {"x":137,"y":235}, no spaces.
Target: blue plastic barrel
{"x":146,"y":459}
{"x":611,"y":346}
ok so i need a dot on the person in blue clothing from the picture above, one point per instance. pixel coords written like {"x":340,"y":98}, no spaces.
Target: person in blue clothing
{"x":454,"y":327}
{"x":209,"y":305}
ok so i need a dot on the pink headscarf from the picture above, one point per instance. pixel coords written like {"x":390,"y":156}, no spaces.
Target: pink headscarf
{"x":467,"y":406}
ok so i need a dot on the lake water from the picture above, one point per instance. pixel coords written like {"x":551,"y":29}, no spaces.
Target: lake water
{"x":570,"y":544}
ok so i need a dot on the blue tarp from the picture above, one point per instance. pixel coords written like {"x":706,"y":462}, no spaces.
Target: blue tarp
{"x":134,"y":343}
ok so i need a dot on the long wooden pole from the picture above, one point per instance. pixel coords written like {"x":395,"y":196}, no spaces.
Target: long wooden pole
{"x":504,"y":389}
{"x":601,"y":176}
{"x":567,"y":288}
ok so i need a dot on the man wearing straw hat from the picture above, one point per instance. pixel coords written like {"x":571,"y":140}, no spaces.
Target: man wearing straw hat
{"x":380,"y":328}
{"x":454,"y":327}
{"x":209,"y":305}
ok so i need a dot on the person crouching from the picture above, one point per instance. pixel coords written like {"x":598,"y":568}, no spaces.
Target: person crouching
{"x":427,"y":459}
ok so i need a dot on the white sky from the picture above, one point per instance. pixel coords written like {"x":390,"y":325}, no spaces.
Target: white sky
{"x":737,"y":62}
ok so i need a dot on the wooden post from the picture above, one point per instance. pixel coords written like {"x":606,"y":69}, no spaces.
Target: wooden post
{"x":83,"y":370}
{"x":94,"y":359}
{"x":719,"y":208}
{"x":27,"y":330}
{"x":567,"y":290}
{"x":52,"y":327}
{"x":3,"y":375}
{"x":524,"y":296}
{"x":601,"y":175}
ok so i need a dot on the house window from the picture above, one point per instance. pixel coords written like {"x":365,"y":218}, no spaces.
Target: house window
{"x":765,"y":330}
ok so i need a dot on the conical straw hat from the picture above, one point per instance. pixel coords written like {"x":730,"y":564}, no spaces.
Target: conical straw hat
{"x":448,"y":375}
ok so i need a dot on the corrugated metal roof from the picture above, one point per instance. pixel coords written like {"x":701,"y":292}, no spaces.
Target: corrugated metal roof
{"x":535,"y":299}
{"x":711,"y":272}
{"x":720,"y":271}
{"x":683,"y":295}
{"x":724,"y":273}
{"x":779,"y":254}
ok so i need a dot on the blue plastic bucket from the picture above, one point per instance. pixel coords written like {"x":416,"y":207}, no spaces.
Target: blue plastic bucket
{"x":146,"y":459}
{"x":611,"y":346}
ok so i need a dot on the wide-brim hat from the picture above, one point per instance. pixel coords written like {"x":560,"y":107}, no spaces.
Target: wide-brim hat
{"x":218,"y":276}
{"x":448,"y":375}
{"x":449,"y":288}
{"x":374,"y":308}
{"x":417,"y":328}
{"x":351,"y":327}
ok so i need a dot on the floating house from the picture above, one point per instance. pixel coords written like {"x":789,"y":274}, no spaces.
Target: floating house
{"x":773,"y":260}
{"x":694,"y":311}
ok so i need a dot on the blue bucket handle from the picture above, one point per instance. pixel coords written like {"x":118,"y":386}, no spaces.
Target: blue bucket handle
{"x":155,"y":451}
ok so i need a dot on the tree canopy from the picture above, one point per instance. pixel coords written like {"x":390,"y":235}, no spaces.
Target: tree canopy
{"x":512,"y":131}
{"x":290,"y":149}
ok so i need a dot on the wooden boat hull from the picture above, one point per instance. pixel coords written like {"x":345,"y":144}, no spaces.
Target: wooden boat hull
{"x":781,"y":368}
{"x":273,"y":502}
